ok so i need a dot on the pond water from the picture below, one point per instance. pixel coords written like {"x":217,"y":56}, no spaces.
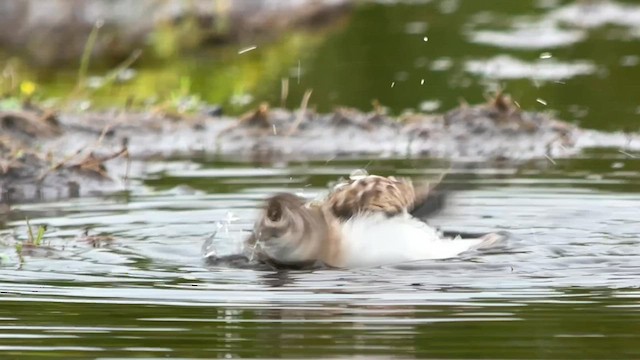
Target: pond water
{"x":564,"y":285}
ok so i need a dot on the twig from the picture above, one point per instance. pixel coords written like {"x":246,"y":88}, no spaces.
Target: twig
{"x":57,"y":165}
{"x":113,"y":74}
{"x":30,"y":231}
{"x":550,"y":159}
{"x":627,"y":154}
{"x":284,"y":92}
{"x":86,"y":53}
{"x":125,"y":145}
{"x":301,"y":112}
{"x":94,"y":163}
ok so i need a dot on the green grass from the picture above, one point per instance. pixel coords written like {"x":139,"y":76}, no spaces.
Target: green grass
{"x":37,"y":239}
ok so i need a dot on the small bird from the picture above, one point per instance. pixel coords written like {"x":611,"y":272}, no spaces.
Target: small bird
{"x":365,"y":221}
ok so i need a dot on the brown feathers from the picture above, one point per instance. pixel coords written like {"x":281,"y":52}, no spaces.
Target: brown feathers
{"x":371,"y":194}
{"x":294,"y":232}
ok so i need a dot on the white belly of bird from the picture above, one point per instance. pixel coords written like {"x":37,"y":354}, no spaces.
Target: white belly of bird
{"x":375,"y":240}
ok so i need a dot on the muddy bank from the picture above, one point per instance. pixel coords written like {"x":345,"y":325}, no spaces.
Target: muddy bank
{"x":47,"y":155}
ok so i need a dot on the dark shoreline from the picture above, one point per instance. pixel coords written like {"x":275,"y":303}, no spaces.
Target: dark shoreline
{"x":44,"y":155}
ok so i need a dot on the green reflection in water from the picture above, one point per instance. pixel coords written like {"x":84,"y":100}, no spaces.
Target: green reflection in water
{"x":605,"y":170}
{"x":375,"y":51}
{"x":581,"y":324}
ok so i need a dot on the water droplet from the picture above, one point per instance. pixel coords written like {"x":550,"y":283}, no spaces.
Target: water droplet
{"x":246,"y":50}
{"x":231,"y":217}
{"x":429,"y":105}
{"x":550,"y":159}
{"x":208,"y":248}
{"x":358,"y":174}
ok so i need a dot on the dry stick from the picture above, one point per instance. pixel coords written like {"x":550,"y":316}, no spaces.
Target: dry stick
{"x":29,"y":231}
{"x":57,"y":165}
{"x":90,"y":149}
{"x":66,"y":159}
{"x":86,"y":54}
{"x":109,"y":77}
{"x":125,"y":145}
{"x":84,"y":63}
{"x":113,"y":74}
{"x":110,"y":157}
{"x":9,"y":73}
{"x":284,"y":92}
{"x":91,"y":162}
{"x":627,"y":154}
{"x":105,"y":130}
{"x":301,"y":112}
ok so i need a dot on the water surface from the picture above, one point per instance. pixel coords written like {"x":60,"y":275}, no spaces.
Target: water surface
{"x":564,"y":285}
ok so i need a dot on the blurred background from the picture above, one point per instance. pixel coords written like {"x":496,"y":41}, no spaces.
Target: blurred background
{"x":577,"y":58}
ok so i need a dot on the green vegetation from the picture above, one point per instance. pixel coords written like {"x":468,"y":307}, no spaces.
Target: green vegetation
{"x":35,"y":240}
{"x":175,"y":85}
{"x":86,"y":54}
{"x":16,"y":88}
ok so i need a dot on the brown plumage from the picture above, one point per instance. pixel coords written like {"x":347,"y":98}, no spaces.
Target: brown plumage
{"x":294,"y":232}
{"x":371,"y":194}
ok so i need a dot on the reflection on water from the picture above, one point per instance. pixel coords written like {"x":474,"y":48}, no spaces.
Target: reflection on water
{"x":573,"y":324}
{"x":579,"y":56}
{"x":563,"y":286}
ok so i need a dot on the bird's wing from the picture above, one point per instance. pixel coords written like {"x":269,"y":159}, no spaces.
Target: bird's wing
{"x":371,"y":193}
{"x":430,"y":197}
